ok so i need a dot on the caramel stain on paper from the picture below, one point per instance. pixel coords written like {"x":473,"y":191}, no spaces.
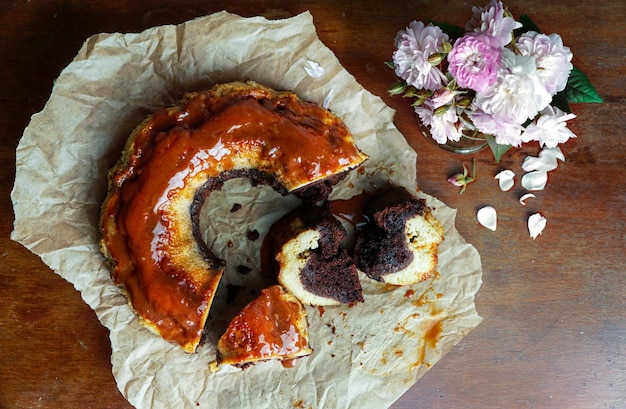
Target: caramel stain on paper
{"x":299,"y":404}
{"x":432,"y":334}
{"x":389,"y":287}
{"x":321,"y":310}
{"x":425,"y":298}
{"x":432,"y":330}
{"x":397,"y":354}
{"x":401,"y":327}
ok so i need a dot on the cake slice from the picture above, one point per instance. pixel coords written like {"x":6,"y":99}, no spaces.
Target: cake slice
{"x":303,"y":252}
{"x":399,"y":245}
{"x":272,"y":326}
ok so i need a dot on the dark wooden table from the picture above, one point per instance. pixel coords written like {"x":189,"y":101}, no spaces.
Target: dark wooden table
{"x":554,"y":330}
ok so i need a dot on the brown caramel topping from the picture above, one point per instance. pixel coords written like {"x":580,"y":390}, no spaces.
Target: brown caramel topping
{"x":169,"y":276}
{"x":267,"y":327}
{"x":351,"y":210}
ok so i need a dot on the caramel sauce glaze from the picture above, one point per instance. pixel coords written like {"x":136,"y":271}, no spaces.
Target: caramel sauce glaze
{"x":168,"y":276}
{"x":353,"y":209}
{"x":267,"y":327}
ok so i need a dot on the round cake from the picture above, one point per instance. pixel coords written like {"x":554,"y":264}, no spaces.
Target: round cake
{"x":399,"y":244}
{"x":303,"y":252}
{"x":171,"y":164}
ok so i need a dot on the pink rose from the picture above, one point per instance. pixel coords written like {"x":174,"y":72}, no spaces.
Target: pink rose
{"x":474,"y":61}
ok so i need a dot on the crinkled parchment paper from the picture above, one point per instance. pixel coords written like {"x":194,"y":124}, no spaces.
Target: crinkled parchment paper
{"x":365,"y":356}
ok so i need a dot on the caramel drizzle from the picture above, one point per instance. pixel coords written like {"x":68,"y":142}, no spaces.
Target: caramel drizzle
{"x":174,"y":162}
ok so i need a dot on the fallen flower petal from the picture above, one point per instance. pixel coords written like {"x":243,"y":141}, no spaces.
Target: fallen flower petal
{"x":314,"y":70}
{"x":550,"y":153}
{"x":488,"y":217}
{"x":506,"y":179}
{"x":523,"y":199}
{"x":546,"y":161}
{"x":536,"y":224}
{"x":535,"y":180}
{"x":544,"y":164}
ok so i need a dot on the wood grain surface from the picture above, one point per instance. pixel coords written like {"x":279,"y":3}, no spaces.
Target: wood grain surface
{"x":554,"y":309}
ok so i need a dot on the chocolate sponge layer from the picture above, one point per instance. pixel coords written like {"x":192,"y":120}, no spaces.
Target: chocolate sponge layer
{"x":399,"y":243}
{"x":321,"y":267}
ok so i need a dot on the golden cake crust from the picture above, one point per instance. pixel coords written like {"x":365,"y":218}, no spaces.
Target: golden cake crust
{"x":171,"y":163}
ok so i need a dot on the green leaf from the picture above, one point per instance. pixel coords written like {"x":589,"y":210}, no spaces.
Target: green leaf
{"x":453,"y":31}
{"x":579,"y":89}
{"x":390,"y":64}
{"x":497,"y":149}
{"x":527,"y":25}
{"x":560,"y":101}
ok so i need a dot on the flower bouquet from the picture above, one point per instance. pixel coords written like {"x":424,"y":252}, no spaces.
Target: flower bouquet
{"x":497,"y":79}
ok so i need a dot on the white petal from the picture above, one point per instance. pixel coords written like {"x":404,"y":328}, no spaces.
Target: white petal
{"x":506,"y":179}
{"x":552,"y":153}
{"x":535,"y":180}
{"x":329,"y":97}
{"x":488,"y":217}
{"x":523,"y":199}
{"x":536,"y":224}
{"x":545,"y":163}
{"x":314,"y":70}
